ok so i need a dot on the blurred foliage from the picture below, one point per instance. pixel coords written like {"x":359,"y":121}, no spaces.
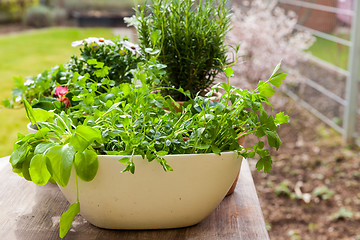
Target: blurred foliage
{"x":38,"y":16}
{"x":42,"y":16}
{"x":101,"y":5}
{"x":13,"y":10}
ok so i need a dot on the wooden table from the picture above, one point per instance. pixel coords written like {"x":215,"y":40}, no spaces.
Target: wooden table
{"x":30,"y":212}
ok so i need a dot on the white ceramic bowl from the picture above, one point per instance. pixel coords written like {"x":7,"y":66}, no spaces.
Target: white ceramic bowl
{"x":30,"y":128}
{"x":152,"y":198}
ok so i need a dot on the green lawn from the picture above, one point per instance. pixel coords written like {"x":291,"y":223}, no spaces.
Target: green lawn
{"x":27,"y":54}
{"x":331,"y":52}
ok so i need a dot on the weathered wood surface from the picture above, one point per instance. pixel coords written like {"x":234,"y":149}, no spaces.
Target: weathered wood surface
{"x":30,"y":212}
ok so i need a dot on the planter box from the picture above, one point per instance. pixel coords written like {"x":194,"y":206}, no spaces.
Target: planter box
{"x":152,"y":198}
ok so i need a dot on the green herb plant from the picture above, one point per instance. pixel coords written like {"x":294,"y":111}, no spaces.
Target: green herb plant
{"x":191,"y":38}
{"x":136,"y":118}
{"x":101,"y":64}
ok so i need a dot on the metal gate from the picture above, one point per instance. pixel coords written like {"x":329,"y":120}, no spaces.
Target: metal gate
{"x":348,"y":125}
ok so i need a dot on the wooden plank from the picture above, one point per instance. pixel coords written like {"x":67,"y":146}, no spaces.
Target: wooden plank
{"x":33,"y":212}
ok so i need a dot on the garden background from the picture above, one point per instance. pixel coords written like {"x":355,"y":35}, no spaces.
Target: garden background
{"x":313,"y":189}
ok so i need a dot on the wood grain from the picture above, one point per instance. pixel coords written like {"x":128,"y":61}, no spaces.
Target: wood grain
{"x":31,"y":212}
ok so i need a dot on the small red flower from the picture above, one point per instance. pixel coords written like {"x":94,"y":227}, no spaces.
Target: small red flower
{"x":65,"y":100}
{"x":61,"y":91}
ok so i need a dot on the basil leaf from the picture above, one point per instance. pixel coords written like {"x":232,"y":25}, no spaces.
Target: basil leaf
{"x":29,"y":112}
{"x":83,"y":137}
{"x":19,"y":155}
{"x":42,"y":147}
{"x":67,"y":218}
{"x":38,"y":171}
{"x":86,"y":164}
{"x":59,"y":162}
{"x":25,"y":167}
{"x":41,"y":115}
{"x":44,"y":105}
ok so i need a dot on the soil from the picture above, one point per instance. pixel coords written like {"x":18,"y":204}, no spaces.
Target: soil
{"x":313,"y":190}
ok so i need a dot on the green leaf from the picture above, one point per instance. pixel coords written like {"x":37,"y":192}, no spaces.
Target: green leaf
{"x":251,"y":154}
{"x":42,"y":147}
{"x":102,"y":72}
{"x":91,"y":61}
{"x":267,"y":121}
{"x":86,"y":164}
{"x":67,"y":218}
{"x":25,"y":167}
{"x":273,"y":139}
{"x":203,"y":146}
{"x":228,"y":72}
{"x":165,"y":166}
{"x":261,"y":145}
{"x":266,"y":90}
{"x":215,"y":149}
{"x":162,"y":153}
{"x":58,"y":104}
{"x":38,"y":171}
{"x":59,"y":162}
{"x":264,"y":163}
{"x":276,"y":69}
{"x":29,"y":112}
{"x":281,"y":118}
{"x":129,"y":167}
{"x":19,"y":155}
{"x":113,"y":107}
{"x":125,"y":88}
{"x":260,"y":132}
{"x":95,"y":63}
{"x":45,"y":105}
{"x":277,"y":79}
{"x":83,"y":137}
{"x":124,"y":159}
{"x":226,"y":86}
{"x":155,"y":36}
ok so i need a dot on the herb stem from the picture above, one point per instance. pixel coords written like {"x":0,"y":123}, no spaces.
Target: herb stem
{"x":224,"y":111}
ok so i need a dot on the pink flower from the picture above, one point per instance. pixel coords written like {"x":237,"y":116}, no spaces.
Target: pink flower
{"x":61,"y":91}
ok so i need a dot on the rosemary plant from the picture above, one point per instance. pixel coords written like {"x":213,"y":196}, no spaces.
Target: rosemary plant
{"x":191,"y":38}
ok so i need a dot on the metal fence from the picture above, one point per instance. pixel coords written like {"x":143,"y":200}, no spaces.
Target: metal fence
{"x":310,"y":13}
